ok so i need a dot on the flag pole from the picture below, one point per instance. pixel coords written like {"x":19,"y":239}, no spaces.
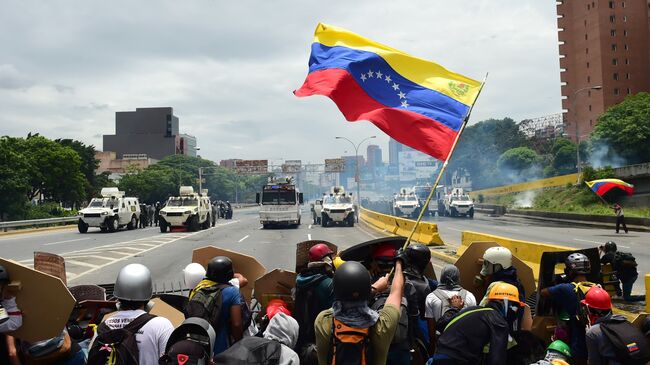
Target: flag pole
{"x":444,"y":167}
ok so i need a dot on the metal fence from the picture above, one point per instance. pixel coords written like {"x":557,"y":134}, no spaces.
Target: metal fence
{"x":37,"y":222}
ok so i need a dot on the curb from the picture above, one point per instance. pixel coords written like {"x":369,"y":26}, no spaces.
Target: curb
{"x":34,"y":230}
{"x":583,"y":223}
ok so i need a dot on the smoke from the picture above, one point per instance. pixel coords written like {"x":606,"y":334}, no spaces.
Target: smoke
{"x":525,"y":199}
{"x":602,"y":155}
{"x":511,"y":176}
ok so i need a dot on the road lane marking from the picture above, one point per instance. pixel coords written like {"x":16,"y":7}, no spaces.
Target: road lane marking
{"x":457,"y":230}
{"x":243,"y":238}
{"x":260,"y":227}
{"x":309,"y":227}
{"x":309,"y":236}
{"x":66,"y":241}
{"x":81,"y":263}
{"x":588,"y":241}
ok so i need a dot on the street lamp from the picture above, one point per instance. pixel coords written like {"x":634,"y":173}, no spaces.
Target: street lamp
{"x":575,"y":120}
{"x":357,"y":178}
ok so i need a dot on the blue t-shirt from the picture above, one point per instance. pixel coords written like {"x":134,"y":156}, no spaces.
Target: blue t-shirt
{"x":229,"y":296}
{"x":565,"y":298}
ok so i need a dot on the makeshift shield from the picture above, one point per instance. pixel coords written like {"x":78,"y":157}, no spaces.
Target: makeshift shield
{"x":276,"y":284}
{"x":302,"y":252}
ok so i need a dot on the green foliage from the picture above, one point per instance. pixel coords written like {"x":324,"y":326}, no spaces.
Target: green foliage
{"x":14,"y":184}
{"x":625,"y":128}
{"x":88,"y":164}
{"x":589,"y":173}
{"x":517,"y":159}
{"x":46,"y":210}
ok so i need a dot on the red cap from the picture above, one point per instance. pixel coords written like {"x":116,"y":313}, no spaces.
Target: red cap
{"x":384,"y":250}
{"x":276,"y":306}
{"x":597,"y":298}
{"x":318,"y":251}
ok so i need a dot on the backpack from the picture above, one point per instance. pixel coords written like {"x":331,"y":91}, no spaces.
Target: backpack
{"x":251,"y":350}
{"x":581,"y":290}
{"x":444,"y":302}
{"x":307,"y":306}
{"x":117,"y":346}
{"x":350,"y":345}
{"x":206,"y":303}
{"x":402,"y":338}
{"x":624,"y":260}
{"x":630,"y":345}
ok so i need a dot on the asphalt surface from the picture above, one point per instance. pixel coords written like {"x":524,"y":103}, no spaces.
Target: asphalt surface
{"x":548,"y":232}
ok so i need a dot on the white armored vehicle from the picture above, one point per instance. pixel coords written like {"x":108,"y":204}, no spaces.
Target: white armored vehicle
{"x":422,"y":192}
{"x":457,"y":203}
{"x":279,"y":203}
{"x":406,"y":204}
{"x":110,"y":212}
{"x":189,"y":210}
{"x":338,"y":208}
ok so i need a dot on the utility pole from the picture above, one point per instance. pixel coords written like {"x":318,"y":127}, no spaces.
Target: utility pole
{"x":357,"y":177}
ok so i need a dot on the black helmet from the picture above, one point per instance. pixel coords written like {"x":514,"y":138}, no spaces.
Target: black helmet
{"x":220,"y":269}
{"x":418,"y":256}
{"x":610,"y":246}
{"x":352,"y":282}
{"x":4,"y":275}
{"x":577,"y":263}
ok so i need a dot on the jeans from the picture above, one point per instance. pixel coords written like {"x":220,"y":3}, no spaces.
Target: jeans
{"x":627,"y":290}
{"x":620,"y":220}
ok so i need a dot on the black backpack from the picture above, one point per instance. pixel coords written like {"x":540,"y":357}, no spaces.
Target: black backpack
{"x":206,"y":303}
{"x":624,"y":260}
{"x":117,"y":346}
{"x":630,"y":345}
{"x":307,"y":306}
{"x":251,"y":350}
{"x":402,"y":338}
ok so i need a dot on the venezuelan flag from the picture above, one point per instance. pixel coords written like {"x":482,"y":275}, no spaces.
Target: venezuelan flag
{"x":604,"y":186}
{"x":417,"y":102}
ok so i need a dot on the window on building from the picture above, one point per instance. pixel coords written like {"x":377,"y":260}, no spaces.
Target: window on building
{"x":593,"y":4}
{"x":625,"y":33}
{"x":588,"y":7}
{"x":589,"y":107}
{"x":612,"y":18}
{"x":587,"y":50}
{"x":629,"y":91}
{"x":587,"y":64}
{"x":627,"y":62}
{"x":614,"y":61}
{"x":624,"y":18}
{"x":585,"y":22}
{"x":585,"y":37}
{"x":611,"y":5}
{"x":616,"y":91}
{"x":613,"y":32}
{"x":627,"y":76}
{"x":615,"y":76}
{"x":591,"y":122}
{"x":623,"y":4}
{"x":589,"y":93}
{"x":625,"y":46}
{"x":588,"y":79}
{"x":614,"y":47}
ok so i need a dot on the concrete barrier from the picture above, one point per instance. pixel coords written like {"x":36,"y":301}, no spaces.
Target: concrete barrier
{"x":426,"y":232}
{"x":530,"y":185}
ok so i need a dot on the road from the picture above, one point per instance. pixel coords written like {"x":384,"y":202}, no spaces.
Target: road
{"x":548,"y":232}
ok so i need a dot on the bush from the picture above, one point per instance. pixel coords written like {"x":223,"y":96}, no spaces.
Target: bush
{"x":47,"y":210}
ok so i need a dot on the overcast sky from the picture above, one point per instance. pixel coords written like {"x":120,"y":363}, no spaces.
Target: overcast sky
{"x":228,"y":68}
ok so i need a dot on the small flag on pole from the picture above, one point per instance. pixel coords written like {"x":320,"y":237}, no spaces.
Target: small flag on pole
{"x":417,"y":102}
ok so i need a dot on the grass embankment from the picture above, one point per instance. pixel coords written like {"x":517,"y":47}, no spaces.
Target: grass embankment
{"x":569,"y":199}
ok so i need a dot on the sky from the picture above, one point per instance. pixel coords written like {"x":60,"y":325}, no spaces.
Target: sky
{"x":228,"y":68}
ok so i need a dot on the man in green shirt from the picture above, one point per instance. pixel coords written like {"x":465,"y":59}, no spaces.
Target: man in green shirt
{"x":352,"y":289}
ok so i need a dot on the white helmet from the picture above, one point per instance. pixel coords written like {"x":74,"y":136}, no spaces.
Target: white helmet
{"x":193,"y":274}
{"x":496,"y":259}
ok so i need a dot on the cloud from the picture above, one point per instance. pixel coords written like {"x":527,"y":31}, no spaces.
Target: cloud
{"x":229,"y":68}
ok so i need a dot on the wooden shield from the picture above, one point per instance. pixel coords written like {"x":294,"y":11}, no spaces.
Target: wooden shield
{"x":44,"y":300}
{"x":302,"y":252}
{"x":243,"y":264}
{"x":50,"y":263}
{"x":470,"y":264}
{"x":276,"y":284}
{"x":162,"y":309}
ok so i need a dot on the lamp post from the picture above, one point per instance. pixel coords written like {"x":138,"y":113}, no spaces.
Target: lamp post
{"x":575,"y":120}
{"x":357,"y":177}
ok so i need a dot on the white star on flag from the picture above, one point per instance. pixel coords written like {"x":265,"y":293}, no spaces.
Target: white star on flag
{"x":363,"y":77}
{"x":370,"y":73}
{"x":405,"y":104}
{"x":395,"y":86}
{"x":379,"y":74}
{"x":388,"y":79}
{"x":402,"y":95}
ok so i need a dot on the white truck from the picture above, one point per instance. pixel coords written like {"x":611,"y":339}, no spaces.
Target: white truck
{"x":190,"y":210}
{"x":279,"y":203}
{"x":406,"y":204}
{"x":456,"y":203}
{"x":110,"y":212}
{"x":338,"y":208}
{"x":422,"y":192}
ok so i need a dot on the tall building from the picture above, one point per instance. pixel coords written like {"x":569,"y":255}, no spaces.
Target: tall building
{"x":149,"y":131}
{"x":394,"y":148}
{"x":603,"y":43}
{"x":374,"y":158}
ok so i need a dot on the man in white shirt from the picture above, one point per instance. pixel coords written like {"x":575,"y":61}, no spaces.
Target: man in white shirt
{"x":448,"y":296}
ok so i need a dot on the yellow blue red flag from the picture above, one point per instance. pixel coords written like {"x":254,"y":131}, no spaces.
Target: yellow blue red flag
{"x":417,"y":102}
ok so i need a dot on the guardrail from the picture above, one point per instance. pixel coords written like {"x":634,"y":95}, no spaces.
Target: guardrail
{"x":36,"y":222}
{"x":426,"y":233}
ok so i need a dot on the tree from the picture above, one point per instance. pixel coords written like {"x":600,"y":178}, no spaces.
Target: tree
{"x":14,"y":184}
{"x":517,"y":159}
{"x":625,"y":128}
{"x":88,"y":164}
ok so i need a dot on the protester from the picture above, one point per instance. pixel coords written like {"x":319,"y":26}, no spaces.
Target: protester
{"x":445,"y":302}
{"x":497,"y":267}
{"x":557,"y":353}
{"x":190,"y":344}
{"x":566,"y":297}
{"x":620,"y":217}
{"x":611,"y":339}
{"x":367,"y":333}
{"x":382,"y":260}
{"x":11,"y":318}
{"x":156,"y":214}
{"x":465,"y":337}
{"x":284,"y":329}
{"x":218,"y":301}
{"x":145,"y":335}
{"x":625,"y":265}
{"x":314,"y":292}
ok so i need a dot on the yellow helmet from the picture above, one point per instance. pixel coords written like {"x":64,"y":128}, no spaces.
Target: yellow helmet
{"x":338,"y":262}
{"x":504,"y":291}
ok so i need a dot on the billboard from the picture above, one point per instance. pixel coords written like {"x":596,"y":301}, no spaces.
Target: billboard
{"x":407,"y":166}
{"x":425,"y":166}
{"x":292,"y":166}
{"x":334,"y":165}
{"x":252,"y":166}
